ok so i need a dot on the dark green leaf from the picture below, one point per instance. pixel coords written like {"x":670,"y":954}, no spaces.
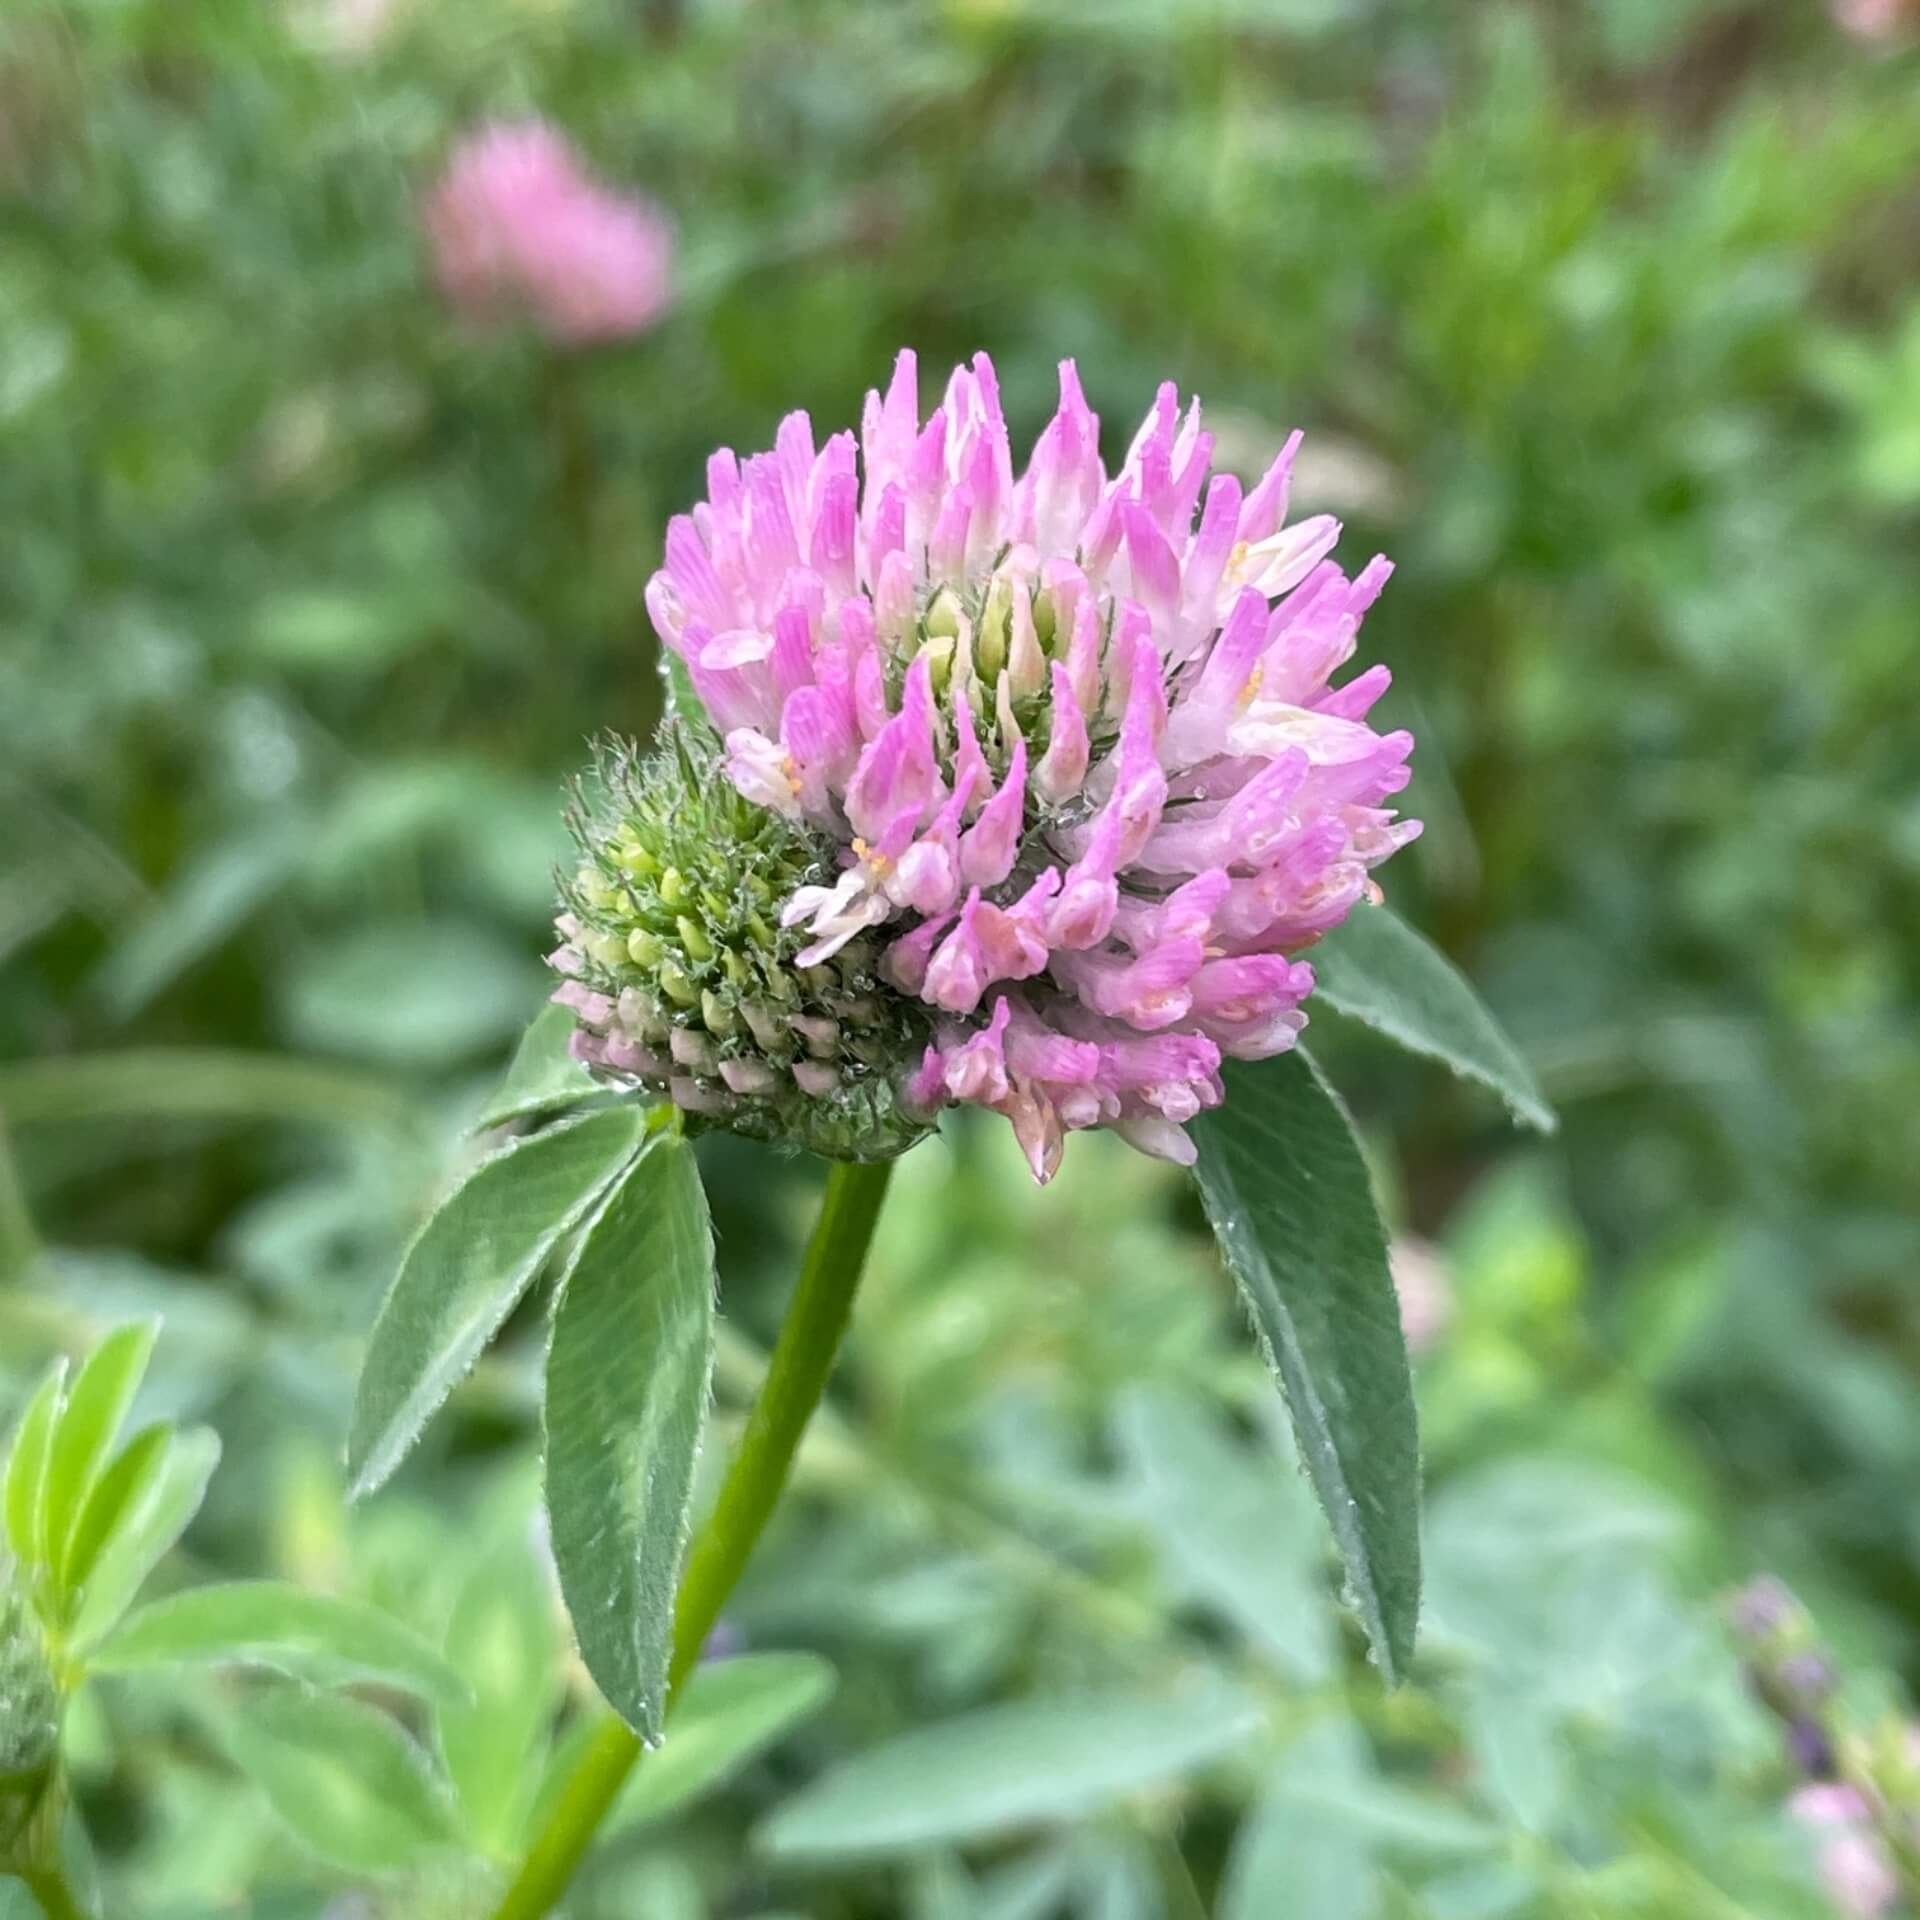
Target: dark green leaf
{"x":1035,"y":1763}
{"x":627,"y":1380}
{"x":1374,"y":968}
{"x":1291,"y":1204}
{"x":271,"y":1623}
{"x":208,"y":900}
{"x":466,"y":1272}
{"x":732,"y":1710}
{"x":343,"y":1776}
{"x":544,"y":1076}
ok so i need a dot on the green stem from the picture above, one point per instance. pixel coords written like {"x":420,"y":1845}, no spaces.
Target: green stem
{"x":49,"y":1886}
{"x":796,"y":1377}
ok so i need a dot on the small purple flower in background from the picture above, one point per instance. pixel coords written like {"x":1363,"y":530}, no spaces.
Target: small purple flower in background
{"x":518,"y":228}
{"x":1855,"y":1867}
{"x":1858,"y":1784}
{"x":1876,"y":20}
{"x":727,"y":1641}
{"x":1762,"y":1608}
{"x":1071,"y":739}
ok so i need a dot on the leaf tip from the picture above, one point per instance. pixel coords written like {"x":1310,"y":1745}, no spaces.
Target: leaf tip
{"x":364,"y":1480}
{"x":369,"y":1460}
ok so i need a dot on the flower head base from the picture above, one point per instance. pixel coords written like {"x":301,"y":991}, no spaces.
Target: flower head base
{"x":517,"y":226}
{"x":684,"y":983}
{"x":1071,"y":738}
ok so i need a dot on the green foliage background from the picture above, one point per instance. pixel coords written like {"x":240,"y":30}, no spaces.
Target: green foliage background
{"x":1603,"y":321}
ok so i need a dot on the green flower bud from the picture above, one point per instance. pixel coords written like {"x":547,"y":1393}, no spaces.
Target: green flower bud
{"x":684,"y":983}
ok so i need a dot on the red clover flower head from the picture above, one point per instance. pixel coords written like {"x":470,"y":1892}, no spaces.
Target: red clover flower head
{"x":1064,"y":745}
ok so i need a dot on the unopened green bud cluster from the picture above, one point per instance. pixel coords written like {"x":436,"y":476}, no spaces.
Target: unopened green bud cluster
{"x":683,"y":982}
{"x":29,"y":1725}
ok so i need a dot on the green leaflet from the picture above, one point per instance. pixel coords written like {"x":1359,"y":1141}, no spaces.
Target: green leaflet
{"x":1376,"y":969}
{"x":732,"y":1710}
{"x":1291,"y":1204}
{"x":1033,"y":1763}
{"x":626,"y":1404}
{"x":152,"y":1520}
{"x":271,"y":1623}
{"x":467,"y":1270}
{"x":505,"y":1640}
{"x":544,"y":1075}
{"x":348,"y":1783}
{"x":82,"y":1442}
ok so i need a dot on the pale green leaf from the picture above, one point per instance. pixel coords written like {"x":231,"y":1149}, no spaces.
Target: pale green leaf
{"x":1290,"y":1201}
{"x":544,"y":1076}
{"x":1392,"y":1818}
{"x":1484,"y":1891}
{"x":1037,"y":1762}
{"x":153,"y":1521}
{"x":1521,"y":1750}
{"x":1033,"y":1886}
{"x":1117,"y":1881}
{"x":626,"y":1403}
{"x":1289,"y":1860}
{"x":1237,"y":1529}
{"x":346,"y":1780}
{"x":273,"y":1624}
{"x":504,"y":1637}
{"x":467,"y":1270}
{"x":1376,"y":969}
{"x":97,"y":1403}
{"x":27,"y":1464}
{"x":731,"y":1711}
{"x":118,"y":1493}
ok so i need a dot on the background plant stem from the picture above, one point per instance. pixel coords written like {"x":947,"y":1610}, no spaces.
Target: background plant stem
{"x":796,"y":1377}
{"x":19,"y":1243}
